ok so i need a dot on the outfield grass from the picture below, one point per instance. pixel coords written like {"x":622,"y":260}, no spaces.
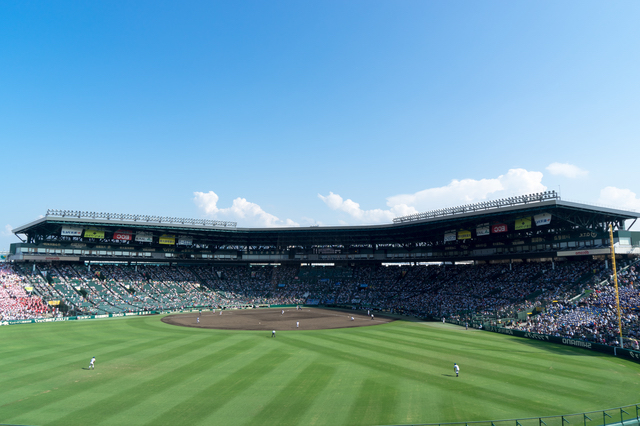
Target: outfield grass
{"x":151,"y":373}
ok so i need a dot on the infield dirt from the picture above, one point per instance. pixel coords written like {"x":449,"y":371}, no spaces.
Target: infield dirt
{"x":274,"y":319}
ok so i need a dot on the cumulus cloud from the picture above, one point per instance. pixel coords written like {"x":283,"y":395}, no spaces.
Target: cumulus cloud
{"x":465,"y":191}
{"x":623,"y":199}
{"x":241,"y":210}
{"x":7,"y":230}
{"x":567,"y":170}
{"x":353,"y":209}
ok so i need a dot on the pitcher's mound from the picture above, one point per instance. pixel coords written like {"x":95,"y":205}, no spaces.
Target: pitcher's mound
{"x":274,"y":319}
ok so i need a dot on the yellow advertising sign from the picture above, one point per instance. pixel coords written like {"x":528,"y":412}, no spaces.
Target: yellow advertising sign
{"x":523,"y":223}
{"x":53,"y":302}
{"x":28,"y":289}
{"x":93,"y":233}
{"x":464,"y":235}
{"x":168,"y":239}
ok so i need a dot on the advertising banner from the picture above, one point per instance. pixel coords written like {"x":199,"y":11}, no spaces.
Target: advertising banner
{"x":93,"y":233}
{"x":499,"y":228}
{"x":68,"y":231}
{"x":123,"y":235}
{"x":523,"y":223}
{"x":628,"y":353}
{"x":449,"y":236}
{"x":591,"y":252}
{"x":483,"y":229}
{"x":185,"y":241}
{"x":542,"y":219}
{"x":168,"y":239}
{"x":464,"y":235}
{"x":144,"y":237}
{"x":53,"y":302}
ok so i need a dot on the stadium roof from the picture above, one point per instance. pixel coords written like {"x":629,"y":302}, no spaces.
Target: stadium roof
{"x":422,"y":229}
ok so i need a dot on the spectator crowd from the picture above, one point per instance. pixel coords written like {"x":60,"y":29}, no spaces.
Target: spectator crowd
{"x":569,"y":299}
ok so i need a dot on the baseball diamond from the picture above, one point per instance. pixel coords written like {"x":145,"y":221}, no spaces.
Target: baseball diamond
{"x":271,"y":319}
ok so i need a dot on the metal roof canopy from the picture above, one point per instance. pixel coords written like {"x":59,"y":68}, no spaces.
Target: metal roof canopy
{"x":428,"y":231}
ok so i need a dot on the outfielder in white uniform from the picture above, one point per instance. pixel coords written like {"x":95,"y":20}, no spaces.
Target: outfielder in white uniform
{"x":92,"y":363}
{"x":456,"y":368}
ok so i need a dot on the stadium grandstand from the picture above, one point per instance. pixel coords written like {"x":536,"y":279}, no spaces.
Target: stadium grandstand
{"x":536,"y":263}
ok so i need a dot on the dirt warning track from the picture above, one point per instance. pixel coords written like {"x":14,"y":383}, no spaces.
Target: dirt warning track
{"x":274,"y":319}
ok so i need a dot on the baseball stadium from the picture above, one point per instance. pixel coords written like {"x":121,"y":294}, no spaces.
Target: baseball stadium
{"x":522,"y":311}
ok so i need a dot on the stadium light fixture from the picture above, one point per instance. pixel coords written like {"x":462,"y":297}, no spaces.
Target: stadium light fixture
{"x":135,"y":218}
{"x":484,"y":205}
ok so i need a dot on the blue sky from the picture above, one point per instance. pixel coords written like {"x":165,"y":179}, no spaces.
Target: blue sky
{"x":275,"y":113}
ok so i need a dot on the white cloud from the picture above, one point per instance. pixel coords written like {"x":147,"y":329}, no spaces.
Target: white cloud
{"x":7,"y":230}
{"x":309,"y":221}
{"x":241,"y":210}
{"x":623,"y":199}
{"x":567,"y":170}
{"x":336,"y":202}
{"x":514,"y":182}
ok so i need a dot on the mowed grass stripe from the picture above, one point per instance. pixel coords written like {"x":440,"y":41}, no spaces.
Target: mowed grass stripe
{"x":126,"y":397}
{"x":105,"y":381}
{"x":59,"y":353}
{"x":501,"y":352}
{"x":505,"y":371}
{"x":492,"y":380}
{"x":220,"y":392}
{"x":78,"y":384}
{"x":510,"y":366}
{"x":439,"y":336}
{"x":383,"y":364}
{"x":37,"y":340}
{"x":376,"y":404}
{"x":54,"y":369}
{"x":501,"y":376}
{"x":291,"y":404}
{"x":66,"y":349}
{"x":153,"y":324}
{"x":511,"y":371}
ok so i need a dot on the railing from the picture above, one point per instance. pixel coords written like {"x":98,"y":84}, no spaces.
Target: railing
{"x":484,"y":205}
{"x":139,"y":218}
{"x":626,"y":415}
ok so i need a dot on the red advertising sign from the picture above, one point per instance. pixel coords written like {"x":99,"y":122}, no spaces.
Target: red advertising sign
{"x":122,"y":234}
{"x":500,"y":227}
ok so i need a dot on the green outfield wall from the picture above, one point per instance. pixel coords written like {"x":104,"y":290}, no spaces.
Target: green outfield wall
{"x":612,"y":350}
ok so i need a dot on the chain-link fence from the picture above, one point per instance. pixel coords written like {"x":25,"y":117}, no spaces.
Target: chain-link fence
{"x":628,"y":415}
